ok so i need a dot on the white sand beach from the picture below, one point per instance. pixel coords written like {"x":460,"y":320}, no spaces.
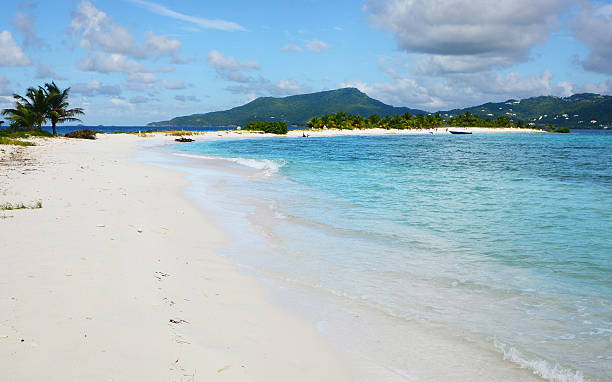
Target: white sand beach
{"x":115,"y":279}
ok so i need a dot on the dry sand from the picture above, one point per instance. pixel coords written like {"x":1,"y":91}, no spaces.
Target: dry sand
{"x":115,"y":279}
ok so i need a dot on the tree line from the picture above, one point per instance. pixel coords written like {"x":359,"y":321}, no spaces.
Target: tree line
{"x":39,"y":105}
{"x":267,"y":127}
{"x":407,"y":121}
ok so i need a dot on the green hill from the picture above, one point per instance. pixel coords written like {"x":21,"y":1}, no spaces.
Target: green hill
{"x":577,"y":111}
{"x":293,"y":110}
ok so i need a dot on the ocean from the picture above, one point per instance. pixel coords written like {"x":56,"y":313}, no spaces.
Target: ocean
{"x":434,"y":257}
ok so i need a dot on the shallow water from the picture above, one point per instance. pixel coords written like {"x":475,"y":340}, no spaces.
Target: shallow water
{"x":489,"y":254}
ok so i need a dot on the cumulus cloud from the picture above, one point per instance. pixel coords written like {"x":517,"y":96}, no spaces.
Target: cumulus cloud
{"x":44,"y":71}
{"x":291,"y":48}
{"x":98,"y":62}
{"x":140,"y":81}
{"x":264,"y":87}
{"x":25,"y":22}
{"x":95,"y":88}
{"x":176,"y":85}
{"x":230,"y":68}
{"x":594,"y":27}
{"x":462,"y":90}
{"x":199,"y":21}
{"x":317,"y":46}
{"x":604,"y":87}
{"x":98,"y":31}
{"x":481,"y":34}
{"x":11,"y":54}
{"x":234,"y":70}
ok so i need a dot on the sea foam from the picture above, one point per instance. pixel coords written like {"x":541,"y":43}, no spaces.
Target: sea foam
{"x":269,"y":167}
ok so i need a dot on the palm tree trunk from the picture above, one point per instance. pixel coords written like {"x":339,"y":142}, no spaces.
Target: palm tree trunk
{"x":53,"y":126}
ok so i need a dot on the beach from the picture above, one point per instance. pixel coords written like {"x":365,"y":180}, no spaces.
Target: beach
{"x":138,"y":259}
{"x":115,"y":278}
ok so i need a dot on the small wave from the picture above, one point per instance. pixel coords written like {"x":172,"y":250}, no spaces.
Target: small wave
{"x":540,"y":367}
{"x":268,"y":166}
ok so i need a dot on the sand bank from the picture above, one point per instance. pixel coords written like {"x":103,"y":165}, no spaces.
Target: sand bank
{"x":115,"y":279}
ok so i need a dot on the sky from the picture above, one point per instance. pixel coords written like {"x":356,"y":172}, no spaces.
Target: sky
{"x":130,"y":62}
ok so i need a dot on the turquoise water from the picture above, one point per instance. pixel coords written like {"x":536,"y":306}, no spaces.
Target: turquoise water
{"x":498,"y":243}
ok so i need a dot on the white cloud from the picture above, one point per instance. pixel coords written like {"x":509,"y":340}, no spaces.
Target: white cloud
{"x":45,"y":71}
{"x":144,"y":78}
{"x":140,"y":81}
{"x":604,"y":87}
{"x":594,"y":27}
{"x":199,"y":21}
{"x":10,"y":53}
{"x":180,"y":84}
{"x":481,"y":34}
{"x":317,"y":46}
{"x":25,"y":22}
{"x":264,"y":87}
{"x":95,"y":88}
{"x":230,"y":68}
{"x":98,"y":62}
{"x":289,"y":85}
{"x":291,"y":48}
{"x":462,"y":90}
{"x":98,"y":31}
{"x":220,"y":61}
{"x":121,"y":103}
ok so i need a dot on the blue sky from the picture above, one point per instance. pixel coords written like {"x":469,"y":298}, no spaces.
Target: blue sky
{"x":129,"y":62}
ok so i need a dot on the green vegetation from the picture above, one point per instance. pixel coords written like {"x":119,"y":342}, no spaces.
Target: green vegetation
{"x":267,"y":127}
{"x":578,"y":111}
{"x":14,"y":142}
{"x":405,"y":121}
{"x":11,"y":133}
{"x":292,"y":110}
{"x":553,"y":129}
{"x":82,"y":134}
{"x":10,"y":136}
{"x":20,"y":206}
{"x":39,"y":105}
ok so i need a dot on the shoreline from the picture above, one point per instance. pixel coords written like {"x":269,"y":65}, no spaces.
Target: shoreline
{"x":314,"y":133}
{"x":116,"y":278}
{"x":119,"y":152}
{"x":337,"y":317}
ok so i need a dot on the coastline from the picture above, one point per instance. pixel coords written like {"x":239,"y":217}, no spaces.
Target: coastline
{"x":339,"y":132}
{"x":117,"y":180}
{"x":116,"y":278}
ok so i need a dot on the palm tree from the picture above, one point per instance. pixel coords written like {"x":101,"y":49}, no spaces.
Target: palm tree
{"x":57,"y":109}
{"x":23,"y":118}
{"x":36,"y":101}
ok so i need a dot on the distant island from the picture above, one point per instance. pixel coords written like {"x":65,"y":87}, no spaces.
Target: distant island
{"x":292,"y":110}
{"x":578,"y":111}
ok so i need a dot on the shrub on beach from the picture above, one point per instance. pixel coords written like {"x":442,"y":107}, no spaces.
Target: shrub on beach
{"x":267,"y":127}
{"x":82,"y":134}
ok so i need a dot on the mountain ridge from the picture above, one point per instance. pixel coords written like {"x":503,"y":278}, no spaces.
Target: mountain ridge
{"x":293,"y":110}
{"x":584,"y":110}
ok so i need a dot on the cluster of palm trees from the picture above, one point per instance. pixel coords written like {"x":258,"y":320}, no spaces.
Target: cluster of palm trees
{"x":39,"y":105}
{"x":349,"y":121}
{"x":407,"y":121}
